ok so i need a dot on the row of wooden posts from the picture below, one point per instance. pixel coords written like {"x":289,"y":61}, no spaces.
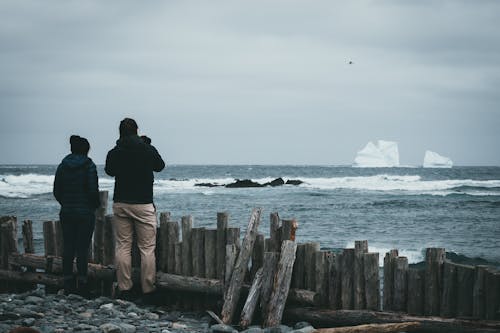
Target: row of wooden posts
{"x":270,"y":270}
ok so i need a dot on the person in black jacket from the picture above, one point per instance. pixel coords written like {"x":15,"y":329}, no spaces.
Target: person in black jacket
{"x":132,"y":162}
{"x":76,"y":189}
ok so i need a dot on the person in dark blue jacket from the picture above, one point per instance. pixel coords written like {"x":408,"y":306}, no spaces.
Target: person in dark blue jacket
{"x":76,"y":189}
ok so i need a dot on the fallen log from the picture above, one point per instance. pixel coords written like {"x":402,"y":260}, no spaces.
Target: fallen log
{"x":107,"y":273}
{"x":372,"y":328}
{"x":31,"y":277}
{"x":252,"y":300}
{"x":337,"y":318}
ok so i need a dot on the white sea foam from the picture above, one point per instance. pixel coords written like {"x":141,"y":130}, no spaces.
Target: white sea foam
{"x":26,"y":185}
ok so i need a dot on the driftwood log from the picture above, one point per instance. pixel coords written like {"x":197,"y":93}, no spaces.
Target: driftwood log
{"x":337,"y":318}
{"x":252,"y":300}
{"x":372,"y":328}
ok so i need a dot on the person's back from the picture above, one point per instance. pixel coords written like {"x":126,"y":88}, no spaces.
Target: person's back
{"x":132,"y":162}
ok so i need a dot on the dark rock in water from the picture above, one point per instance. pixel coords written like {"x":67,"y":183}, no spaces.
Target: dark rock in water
{"x":208,"y":185}
{"x":276,"y":182}
{"x":294,"y":182}
{"x":244,"y":183}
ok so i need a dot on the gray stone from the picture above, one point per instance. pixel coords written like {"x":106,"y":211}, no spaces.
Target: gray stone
{"x":165,"y":331}
{"x":107,"y":306}
{"x":127,"y":328}
{"x":307,"y":329}
{"x":133,"y":315}
{"x":110,"y":328}
{"x":278,"y":329}
{"x":84,"y":327}
{"x":151,"y":316}
{"x":74,"y":297}
{"x":253,"y":330}
{"x":28,"y":322}
{"x":301,"y":324}
{"x":220,"y":328}
{"x":33,"y":300}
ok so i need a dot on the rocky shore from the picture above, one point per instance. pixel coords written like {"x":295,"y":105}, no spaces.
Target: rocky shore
{"x":58,"y":313}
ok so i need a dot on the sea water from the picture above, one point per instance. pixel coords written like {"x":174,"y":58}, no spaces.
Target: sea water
{"x":404,"y":208}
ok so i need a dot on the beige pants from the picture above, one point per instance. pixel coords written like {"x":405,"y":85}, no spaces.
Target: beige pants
{"x":142,"y":218}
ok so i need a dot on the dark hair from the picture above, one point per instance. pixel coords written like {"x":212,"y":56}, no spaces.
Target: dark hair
{"x":146,"y":139}
{"x":128,"y":127}
{"x":79,"y":145}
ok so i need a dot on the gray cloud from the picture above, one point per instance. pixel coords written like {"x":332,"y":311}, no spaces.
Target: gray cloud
{"x":252,"y":82}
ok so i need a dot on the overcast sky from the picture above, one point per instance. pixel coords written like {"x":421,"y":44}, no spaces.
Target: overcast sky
{"x":252,"y":82}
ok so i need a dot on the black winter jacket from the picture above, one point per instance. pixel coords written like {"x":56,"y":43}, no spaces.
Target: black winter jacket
{"x":75,"y":185}
{"x":132,"y":163}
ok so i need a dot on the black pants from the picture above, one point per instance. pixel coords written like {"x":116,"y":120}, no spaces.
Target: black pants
{"x":77,"y":234}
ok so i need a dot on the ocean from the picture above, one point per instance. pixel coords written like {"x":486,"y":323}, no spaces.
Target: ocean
{"x":404,"y":208}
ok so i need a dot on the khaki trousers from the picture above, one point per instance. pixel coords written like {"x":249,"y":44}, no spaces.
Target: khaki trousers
{"x":142,"y":219}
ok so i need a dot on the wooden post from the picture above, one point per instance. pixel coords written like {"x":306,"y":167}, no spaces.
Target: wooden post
{"x":252,"y":300}
{"x":281,"y":284}
{"x":210,"y":253}
{"x":449,"y":293}
{"x":197,"y":247}
{"x":222,"y":223}
{"x":288,"y":228}
{"x":100,"y":215}
{"x":231,"y":255}
{"x":28,"y":237}
{"x":360,"y":248}
{"x":49,"y":238}
{"x":371,"y":281}
{"x":492,"y":300}
{"x":233,"y":237}
{"x":178,"y":258}
{"x":400,"y":284}
{"x":321,"y":272}
{"x":257,"y":255}
{"x":172,"y":239}
{"x":109,"y":244}
{"x":335,"y":282}
{"x":240,"y":268}
{"x":187,"y":261}
{"x":389,"y":278}
{"x":274,"y":233}
{"x":479,"y":292}
{"x":309,"y":275}
{"x":269,"y":271}
{"x":298,"y":267}
{"x":434,"y":259}
{"x":8,"y":239}
{"x":347,"y":272}
{"x":59,"y":238}
{"x":163,"y":243}
{"x":416,"y":291}
{"x":465,"y":286}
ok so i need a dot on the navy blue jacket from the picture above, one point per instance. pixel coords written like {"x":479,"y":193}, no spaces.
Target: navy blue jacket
{"x":75,"y":185}
{"x":132,"y":163}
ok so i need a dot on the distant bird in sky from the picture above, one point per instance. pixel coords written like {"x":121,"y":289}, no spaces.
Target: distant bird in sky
{"x":350,"y":62}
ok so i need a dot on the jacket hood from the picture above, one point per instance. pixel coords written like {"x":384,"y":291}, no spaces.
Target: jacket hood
{"x":130,"y":142}
{"x":75,"y":161}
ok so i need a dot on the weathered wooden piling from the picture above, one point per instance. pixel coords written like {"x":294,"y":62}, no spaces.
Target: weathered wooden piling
{"x":187,"y":261}
{"x":233,"y":237}
{"x":274,"y":232}
{"x":231,"y":255}
{"x":210,"y":253}
{"x":335,"y":281}
{"x":288,"y":228}
{"x":28,"y":236}
{"x":371,"y":281}
{"x":492,"y":299}
{"x":222,"y":224}
{"x":347,"y":267}
{"x":109,"y":245}
{"x":240,"y":268}
{"x":281,"y":284}
{"x":98,"y":239}
{"x":321,"y":273}
{"x":49,"y":238}
{"x":465,"y":286}
{"x":400,"y":284}
{"x":434,"y":259}
{"x":252,"y":300}
{"x":449,"y":290}
{"x":197,"y":248}
{"x":270,"y":266}
{"x":309,"y":275}
{"x":298,"y":267}
{"x":389,"y":260}
{"x":416,"y":291}
{"x":360,"y":248}
{"x":8,"y":239}
{"x":178,"y":258}
{"x":479,"y":292}
{"x":172,"y":239}
{"x":257,"y":254}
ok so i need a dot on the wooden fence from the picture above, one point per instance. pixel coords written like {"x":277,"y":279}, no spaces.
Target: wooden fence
{"x":209,"y":262}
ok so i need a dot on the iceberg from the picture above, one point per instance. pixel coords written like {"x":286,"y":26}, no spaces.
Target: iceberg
{"x":384,"y":154}
{"x":434,"y":160}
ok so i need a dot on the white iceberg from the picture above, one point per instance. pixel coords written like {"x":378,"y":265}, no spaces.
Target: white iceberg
{"x":434,"y":160}
{"x":384,"y":154}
